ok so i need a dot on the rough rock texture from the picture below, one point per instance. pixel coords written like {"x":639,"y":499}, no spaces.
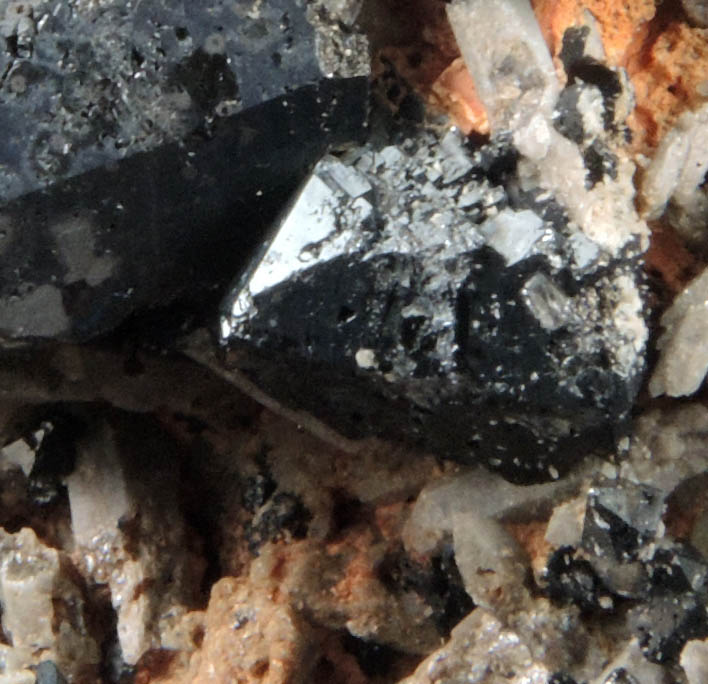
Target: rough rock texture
{"x":126,"y":175}
{"x":480,"y":651}
{"x":250,"y":636}
{"x":44,"y":613}
{"x":669,"y":76}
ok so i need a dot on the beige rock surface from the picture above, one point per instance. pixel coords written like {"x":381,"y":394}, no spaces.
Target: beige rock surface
{"x":480,"y":651}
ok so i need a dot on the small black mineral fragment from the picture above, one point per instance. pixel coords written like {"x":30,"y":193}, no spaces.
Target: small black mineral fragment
{"x":438,"y":582}
{"x":282,"y":516}
{"x":573,"y":580}
{"x":574,"y":46}
{"x":620,"y":518}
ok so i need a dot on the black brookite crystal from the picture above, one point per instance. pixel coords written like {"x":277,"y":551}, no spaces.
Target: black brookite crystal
{"x":146,"y":145}
{"x":418,"y":292}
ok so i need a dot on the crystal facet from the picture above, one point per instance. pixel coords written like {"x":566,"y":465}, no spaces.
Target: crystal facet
{"x":146,"y":147}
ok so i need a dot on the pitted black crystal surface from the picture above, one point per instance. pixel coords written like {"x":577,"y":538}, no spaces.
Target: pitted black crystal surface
{"x":146,"y":146}
{"x":412,"y":293}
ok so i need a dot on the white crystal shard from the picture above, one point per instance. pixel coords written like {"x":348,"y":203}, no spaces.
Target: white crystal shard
{"x":679,"y":165}
{"x":513,"y":233}
{"x":565,"y":526}
{"x":516,"y":81}
{"x":98,"y":497}
{"x":694,"y":661}
{"x":683,"y":362}
{"x":18,"y":454}
{"x":547,"y":303}
{"x":27,"y":575}
{"x":511,"y":64}
{"x":129,"y":536}
{"x":605,"y":213}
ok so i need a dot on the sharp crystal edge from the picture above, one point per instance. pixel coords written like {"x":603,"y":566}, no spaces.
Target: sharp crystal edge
{"x":480,"y":303}
{"x":146,"y":145}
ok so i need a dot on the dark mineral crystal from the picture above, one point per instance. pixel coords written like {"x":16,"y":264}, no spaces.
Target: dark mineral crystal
{"x":574,"y":580}
{"x":620,"y":518}
{"x":666,"y":623}
{"x":281,"y":516}
{"x":146,"y":145}
{"x":416,"y":291}
{"x":437,"y":581}
{"x":625,"y":558}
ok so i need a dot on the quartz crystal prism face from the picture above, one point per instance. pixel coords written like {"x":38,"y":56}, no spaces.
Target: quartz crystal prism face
{"x":422,"y":292}
{"x":146,"y":144}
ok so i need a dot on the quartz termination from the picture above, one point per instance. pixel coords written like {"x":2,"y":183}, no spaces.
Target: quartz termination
{"x":146,"y":144}
{"x":417,"y":292}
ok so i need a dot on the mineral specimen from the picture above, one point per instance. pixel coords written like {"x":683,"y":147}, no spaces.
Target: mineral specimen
{"x":481,"y":303}
{"x":43,"y":610}
{"x":146,"y":145}
{"x":463,"y":313}
{"x":480,"y":651}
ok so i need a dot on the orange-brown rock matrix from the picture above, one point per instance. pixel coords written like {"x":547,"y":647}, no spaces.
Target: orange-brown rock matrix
{"x":670,"y":75}
{"x":666,"y":57}
{"x":416,"y":39}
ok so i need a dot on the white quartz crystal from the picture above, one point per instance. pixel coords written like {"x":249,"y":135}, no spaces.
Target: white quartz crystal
{"x":130,"y":536}
{"x":511,"y":65}
{"x":683,"y":362}
{"x":694,"y":661}
{"x":677,"y":170}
